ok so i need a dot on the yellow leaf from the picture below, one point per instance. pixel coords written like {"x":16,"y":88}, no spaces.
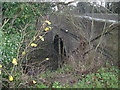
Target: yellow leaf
{"x":48,"y":22}
{"x":34,"y":81}
{"x":47,"y":28}
{"x":0,"y":66}
{"x":50,"y":27}
{"x":23,"y":53}
{"x":41,"y":37}
{"x":14,"y":61}
{"x":33,"y":45}
{"x":10,"y":78}
{"x":47,"y":59}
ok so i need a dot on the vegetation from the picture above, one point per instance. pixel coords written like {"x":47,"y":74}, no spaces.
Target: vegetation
{"x":114,"y":7}
{"x":19,"y":20}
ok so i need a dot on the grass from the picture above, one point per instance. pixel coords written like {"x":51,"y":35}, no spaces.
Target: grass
{"x":103,"y":78}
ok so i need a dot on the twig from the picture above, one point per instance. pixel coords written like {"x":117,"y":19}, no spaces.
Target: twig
{"x":111,"y":27}
{"x":4,"y":24}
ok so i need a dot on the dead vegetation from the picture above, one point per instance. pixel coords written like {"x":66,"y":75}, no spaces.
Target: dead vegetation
{"x":65,"y":47}
{"x":81,"y":43}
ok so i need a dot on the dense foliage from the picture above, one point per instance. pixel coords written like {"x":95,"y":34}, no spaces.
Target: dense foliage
{"x":20,"y":14}
{"x":16,"y":17}
{"x":19,"y":20}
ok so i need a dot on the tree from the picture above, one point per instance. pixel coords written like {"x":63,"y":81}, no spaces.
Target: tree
{"x":113,"y":6}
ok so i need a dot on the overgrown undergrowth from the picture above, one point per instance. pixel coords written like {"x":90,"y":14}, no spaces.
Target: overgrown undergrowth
{"x":106,"y":77}
{"x":65,"y":77}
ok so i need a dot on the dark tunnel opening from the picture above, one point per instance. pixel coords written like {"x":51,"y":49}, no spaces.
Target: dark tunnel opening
{"x":59,"y":46}
{"x":56,"y":41}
